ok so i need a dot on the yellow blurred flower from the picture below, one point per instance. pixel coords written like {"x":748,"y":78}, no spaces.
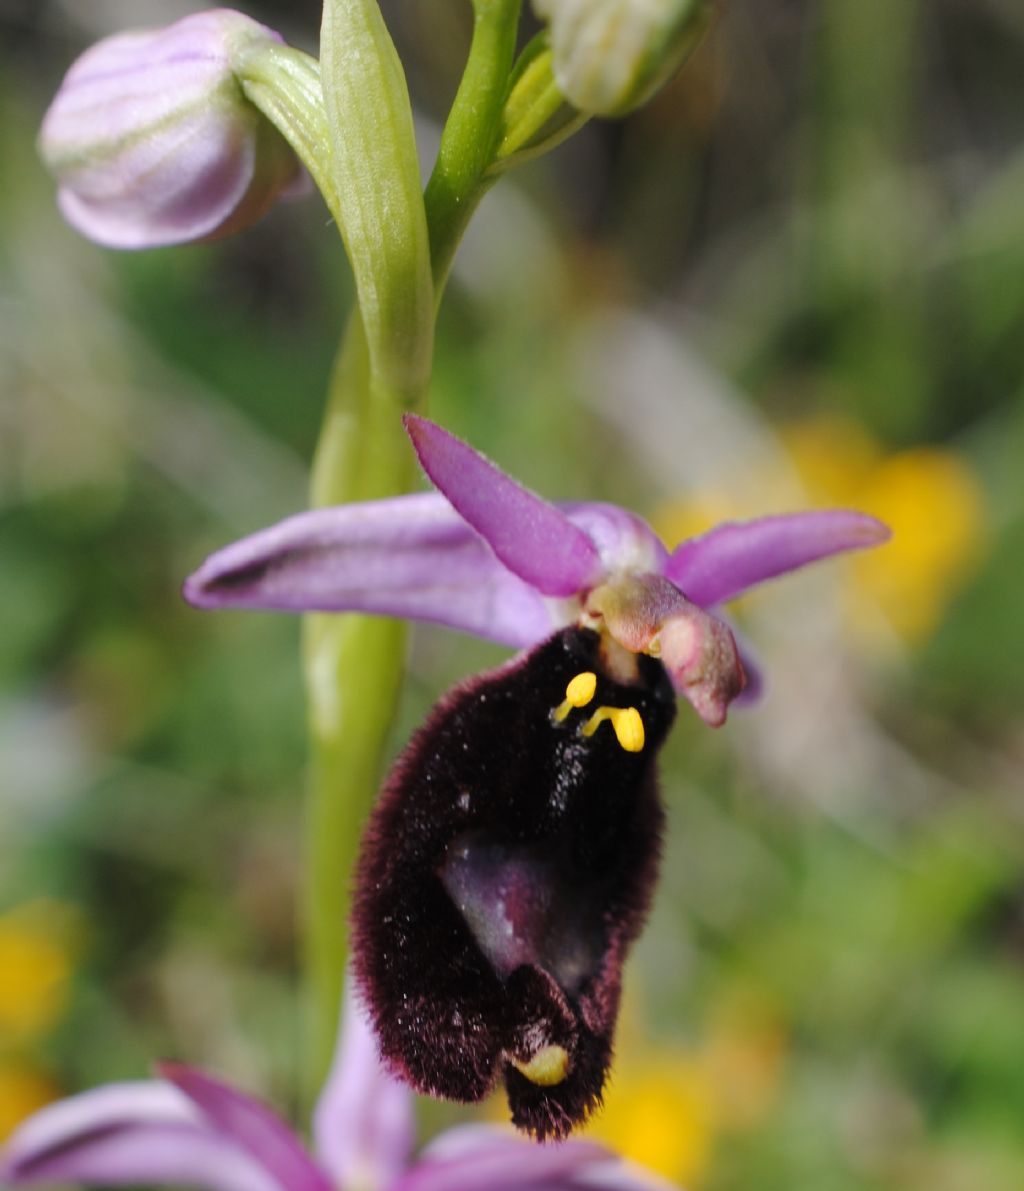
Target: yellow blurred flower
{"x":38,"y":946}
{"x":36,"y":953}
{"x":929,"y":495}
{"x":833,"y":455}
{"x":23,"y":1090}
{"x":666,"y":1106}
{"x":744,"y":1056}
{"x":660,"y":1110}
{"x":936,"y":508}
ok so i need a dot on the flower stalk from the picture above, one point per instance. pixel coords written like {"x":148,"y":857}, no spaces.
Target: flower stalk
{"x":381,"y":216}
{"x":284,"y":83}
{"x":472,"y":132}
{"x":353,"y":673}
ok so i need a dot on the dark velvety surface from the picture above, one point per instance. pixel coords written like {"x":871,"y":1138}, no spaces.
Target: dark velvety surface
{"x":549,"y":842}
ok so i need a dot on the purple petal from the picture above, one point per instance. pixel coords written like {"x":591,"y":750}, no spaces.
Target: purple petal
{"x":488,"y":1158}
{"x":125,"y":1134}
{"x":474,"y":1157}
{"x":411,"y":556}
{"x":253,"y":1127}
{"x":534,"y":539}
{"x":733,"y":557}
{"x":363,"y":1124}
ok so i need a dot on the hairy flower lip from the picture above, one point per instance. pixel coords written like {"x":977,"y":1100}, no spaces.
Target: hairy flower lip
{"x":504,"y":873}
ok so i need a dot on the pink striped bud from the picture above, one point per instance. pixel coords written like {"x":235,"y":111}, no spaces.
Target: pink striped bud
{"x":152,"y":139}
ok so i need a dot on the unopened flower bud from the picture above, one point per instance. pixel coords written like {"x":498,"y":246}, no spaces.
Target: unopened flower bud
{"x":153,"y":141}
{"x":612,"y":55}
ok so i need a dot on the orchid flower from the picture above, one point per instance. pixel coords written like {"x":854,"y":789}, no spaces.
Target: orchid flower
{"x":189,"y":1129}
{"x":510,"y":860}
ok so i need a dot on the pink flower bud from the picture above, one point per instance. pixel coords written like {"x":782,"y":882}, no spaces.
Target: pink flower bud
{"x":153,"y":141}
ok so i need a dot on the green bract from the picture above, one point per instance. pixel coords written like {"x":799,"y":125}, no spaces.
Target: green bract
{"x":376,"y":172}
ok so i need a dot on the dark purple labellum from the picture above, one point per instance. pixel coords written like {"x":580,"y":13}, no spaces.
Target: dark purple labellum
{"x":507,"y":867}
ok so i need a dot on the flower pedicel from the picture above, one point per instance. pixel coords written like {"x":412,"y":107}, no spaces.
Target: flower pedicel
{"x":510,"y":860}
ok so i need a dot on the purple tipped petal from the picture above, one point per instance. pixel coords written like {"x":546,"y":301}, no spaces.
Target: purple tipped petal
{"x":363,"y":1124}
{"x":411,"y":556}
{"x":479,"y":1157}
{"x":252,"y":1126}
{"x":733,"y":557}
{"x":534,"y":539}
{"x":129,"y":1133}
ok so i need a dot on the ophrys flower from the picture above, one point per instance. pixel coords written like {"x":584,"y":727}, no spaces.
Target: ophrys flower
{"x":509,"y":862}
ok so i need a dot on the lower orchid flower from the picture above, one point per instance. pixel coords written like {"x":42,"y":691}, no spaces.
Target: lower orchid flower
{"x":188,"y":1129}
{"x":510,"y":860}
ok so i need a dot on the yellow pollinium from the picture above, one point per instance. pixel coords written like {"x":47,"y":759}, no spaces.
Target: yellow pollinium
{"x":548,"y":1067}
{"x":578,"y":693}
{"x":581,"y":690}
{"x":629,"y":727}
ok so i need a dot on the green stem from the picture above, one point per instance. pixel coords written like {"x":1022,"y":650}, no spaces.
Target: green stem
{"x":471,"y":135}
{"x":353,"y":667}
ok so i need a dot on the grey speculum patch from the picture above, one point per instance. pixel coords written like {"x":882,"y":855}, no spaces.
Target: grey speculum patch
{"x":523,"y":907}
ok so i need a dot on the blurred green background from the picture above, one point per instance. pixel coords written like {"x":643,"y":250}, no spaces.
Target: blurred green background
{"x":795,"y":279}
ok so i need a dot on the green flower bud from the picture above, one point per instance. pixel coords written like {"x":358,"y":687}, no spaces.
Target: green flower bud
{"x":610,"y":56}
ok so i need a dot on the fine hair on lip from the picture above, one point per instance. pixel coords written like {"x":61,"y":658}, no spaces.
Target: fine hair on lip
{"x":504,"y":873}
